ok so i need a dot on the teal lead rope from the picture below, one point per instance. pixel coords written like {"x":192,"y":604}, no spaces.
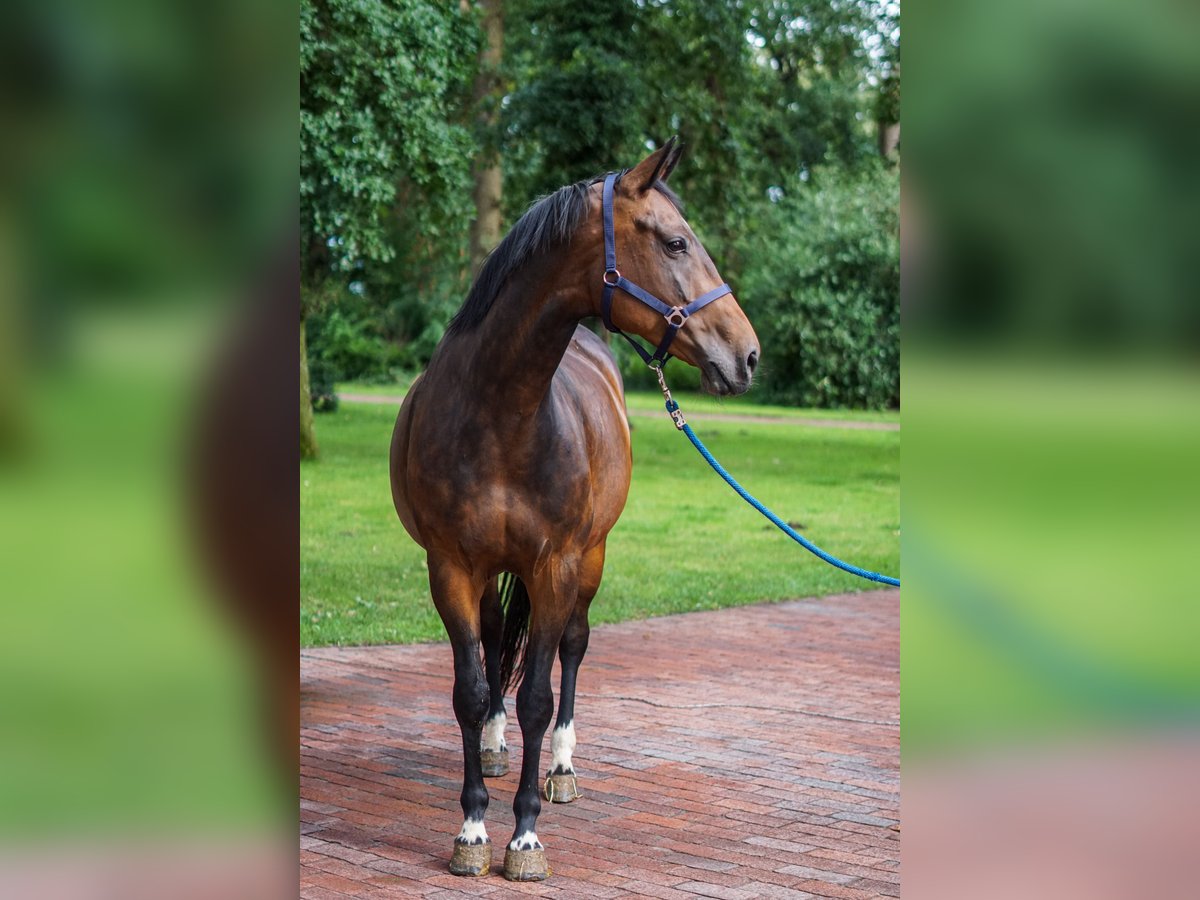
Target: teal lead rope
{"x":677,"y":417}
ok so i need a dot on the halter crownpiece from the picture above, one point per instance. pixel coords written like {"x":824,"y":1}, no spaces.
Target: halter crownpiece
{"x":676,"y":316}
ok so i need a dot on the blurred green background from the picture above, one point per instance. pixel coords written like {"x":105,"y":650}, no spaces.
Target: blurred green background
{"x":1050,"y":680}
{"x":147,"y":181}
{"x":1050,"y":213}
{"x":127,"y":701}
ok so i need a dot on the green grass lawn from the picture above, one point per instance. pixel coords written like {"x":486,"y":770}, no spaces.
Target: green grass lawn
{"x":685,"y":541}
{"x":128,"y":697}
{"x":691,"y":401}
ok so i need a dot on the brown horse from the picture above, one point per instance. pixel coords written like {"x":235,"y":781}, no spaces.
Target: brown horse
{"x":511,"y":455}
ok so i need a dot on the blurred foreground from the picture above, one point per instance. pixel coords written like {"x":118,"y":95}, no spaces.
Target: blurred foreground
{"x":1051,"y":685}
{"x":145,"y":205}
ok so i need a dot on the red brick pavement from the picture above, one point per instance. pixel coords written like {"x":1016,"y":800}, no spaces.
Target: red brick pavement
{"x":749,"y":752}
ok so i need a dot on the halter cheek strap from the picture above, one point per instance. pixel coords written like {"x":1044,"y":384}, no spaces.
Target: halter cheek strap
{"x":676,"y":316}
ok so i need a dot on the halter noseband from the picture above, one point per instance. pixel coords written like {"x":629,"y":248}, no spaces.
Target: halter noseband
{"x":676,"y":316}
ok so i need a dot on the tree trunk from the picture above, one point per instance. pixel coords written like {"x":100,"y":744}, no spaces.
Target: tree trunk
{"x":889,"y":139}
{"x":487,"y":92}
{"x":308,"y":440}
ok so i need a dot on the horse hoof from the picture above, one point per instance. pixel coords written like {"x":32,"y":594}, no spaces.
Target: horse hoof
{"x":495,"y":763}
{"x":525,"y":865}
{"x":471,"y":859}
{"x":561,"y":788}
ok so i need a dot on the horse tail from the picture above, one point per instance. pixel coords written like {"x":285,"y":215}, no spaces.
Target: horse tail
{"x":514,"y":597}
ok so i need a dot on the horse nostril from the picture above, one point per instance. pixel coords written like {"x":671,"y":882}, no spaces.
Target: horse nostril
{"x":752,"y":361}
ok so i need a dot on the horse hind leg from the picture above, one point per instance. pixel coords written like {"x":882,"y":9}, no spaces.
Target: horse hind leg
{"x":493,"y":747}
{"x":456,"y":600}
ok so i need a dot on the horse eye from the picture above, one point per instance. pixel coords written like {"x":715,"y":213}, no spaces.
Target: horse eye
{"x":678,"y":245}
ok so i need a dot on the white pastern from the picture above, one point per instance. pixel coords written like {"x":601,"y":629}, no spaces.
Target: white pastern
{"x":472,"y":832}
{"x":562,"y":745}
{"x":526,"y":841}
{"x":493,"y":733}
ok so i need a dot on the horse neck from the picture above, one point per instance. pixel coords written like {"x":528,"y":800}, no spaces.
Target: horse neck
{"x":508,"y":361}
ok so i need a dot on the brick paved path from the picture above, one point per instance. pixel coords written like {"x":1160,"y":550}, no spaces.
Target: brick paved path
{"x":748,"y":752}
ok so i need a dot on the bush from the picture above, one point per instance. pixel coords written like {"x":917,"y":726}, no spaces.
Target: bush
{"x":348,"y":347}
{"x":347,"y":341}
{"x":821,"y":283}
{"x":388,"y":320}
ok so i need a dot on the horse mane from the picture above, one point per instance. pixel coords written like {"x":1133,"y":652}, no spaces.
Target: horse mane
{"x":548,"y":222}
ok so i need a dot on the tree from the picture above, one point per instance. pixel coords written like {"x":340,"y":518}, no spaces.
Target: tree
{"x":760,"y":92}
{"x":486,"y":98}
{"x":824,"y":290}
{"x":412,"y":111}
{"x":376,"y":78}
{"x":308,"y":437}
{"x":578,"y":106}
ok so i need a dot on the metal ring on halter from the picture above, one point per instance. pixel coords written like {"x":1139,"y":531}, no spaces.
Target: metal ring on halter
{"x":677,"y":312}
{"x":614,"y":272}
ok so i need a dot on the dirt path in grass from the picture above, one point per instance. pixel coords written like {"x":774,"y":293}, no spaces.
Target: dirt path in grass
{"x":699,"y":416}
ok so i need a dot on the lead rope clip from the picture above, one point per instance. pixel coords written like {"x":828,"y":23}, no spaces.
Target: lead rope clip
{"x":672,"y":406}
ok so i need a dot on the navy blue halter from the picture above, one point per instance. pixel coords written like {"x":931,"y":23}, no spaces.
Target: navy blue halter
{"x":676,"y":316}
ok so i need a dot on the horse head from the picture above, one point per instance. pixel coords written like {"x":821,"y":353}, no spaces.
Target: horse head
{"x":659,"y":253}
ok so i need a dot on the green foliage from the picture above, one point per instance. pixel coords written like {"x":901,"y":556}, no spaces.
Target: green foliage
{"x":346,"y":341}
{"x":385,"y":195}
{"x":574,"y":106}
{"x":362,"y":580}
{"x":149,"y":156}
{"x":761,"y":92}
{"x":376,"y":80}
{"x":758,"y":91}
{"x":771,"y":97}
{"x":822,"y":285}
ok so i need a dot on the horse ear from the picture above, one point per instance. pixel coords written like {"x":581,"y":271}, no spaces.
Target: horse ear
{"x":655,"y":167}
{"x":672,"y":160}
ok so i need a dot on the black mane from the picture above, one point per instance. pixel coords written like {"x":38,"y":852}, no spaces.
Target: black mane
{"x":548,"y":222}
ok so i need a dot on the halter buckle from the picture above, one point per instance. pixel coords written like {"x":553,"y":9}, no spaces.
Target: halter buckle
{"x":616,"y":273}
{"x":677,"y":316}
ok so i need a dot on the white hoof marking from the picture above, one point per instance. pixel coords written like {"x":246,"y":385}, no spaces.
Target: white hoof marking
{"x":562,"y":745}
{"x":493,"y":733}
{"x":527,"y":841}
{"x":472,"y":832}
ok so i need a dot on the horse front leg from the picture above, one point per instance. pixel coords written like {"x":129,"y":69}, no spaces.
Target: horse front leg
{"x":561,"y":785}
{"x":552,"y":597}
{"x":456,"y":596}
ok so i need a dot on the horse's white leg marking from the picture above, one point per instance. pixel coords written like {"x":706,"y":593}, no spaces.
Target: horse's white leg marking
{"x":527,"y":841}
{"x":472,"y":832}
{"x":493,"y":733}
{"x":562,"y":745}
